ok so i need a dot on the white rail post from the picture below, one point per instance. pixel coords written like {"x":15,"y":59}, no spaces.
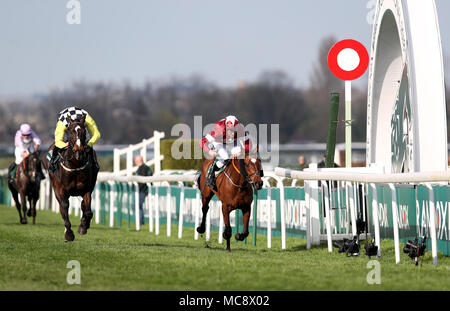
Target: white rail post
{"x":376,"y":223}
{"x":197,"y":209}
{"x":220,"y":227}
{"x":283,"y":213}
{"x":144,"y":151}
{"x":130,"y":160}
{"x":116,"y":160}
{"x":111,"y":205}
{"x":156,"y":151}
{"x":432,"y":224}
{"x":156,"y":210}
{"x":395,"y":223}
{"x":137,"y":210}
{"x":327,"y":211}
{"x":150,"y":207}
{"x":97,"y":204}
{"x":308,"y":216}
{"x":208,"y":226}
{"x":180,"y":215}
{"x":169,"y":210}
{"x":352,"y":208}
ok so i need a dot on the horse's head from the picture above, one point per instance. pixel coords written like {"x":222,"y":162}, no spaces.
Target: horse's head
{"x":253,"y":168}
{"x":77,"y":137}
{"x":32,"y":165}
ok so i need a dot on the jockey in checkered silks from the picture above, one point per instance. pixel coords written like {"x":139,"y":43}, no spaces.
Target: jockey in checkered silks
{"x":26,"y":142}
{"x":226,"y":140}
{"x":74,"y":113}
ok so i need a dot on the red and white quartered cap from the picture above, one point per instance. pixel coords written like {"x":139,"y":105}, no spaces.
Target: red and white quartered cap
{"x":231,"y":121}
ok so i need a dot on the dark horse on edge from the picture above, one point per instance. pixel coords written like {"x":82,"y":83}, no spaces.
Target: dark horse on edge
{"x":75,"y":176}
{"x":235,"y":185}
{"x":26,"y":183}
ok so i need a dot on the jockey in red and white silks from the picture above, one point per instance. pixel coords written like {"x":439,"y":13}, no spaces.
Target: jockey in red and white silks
{"x":226,"y":140}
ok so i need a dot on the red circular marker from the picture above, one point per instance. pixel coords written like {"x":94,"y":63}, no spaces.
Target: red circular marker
{"x":342,"y":73}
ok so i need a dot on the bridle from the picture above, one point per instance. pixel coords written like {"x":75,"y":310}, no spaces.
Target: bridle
{"x":70,"y":151}
{"x":242,"y":172}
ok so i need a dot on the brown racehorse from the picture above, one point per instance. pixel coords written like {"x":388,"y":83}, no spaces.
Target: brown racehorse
{"x":26,"y":185}
{"x":234,"y":189}
{"x":75,"y":176}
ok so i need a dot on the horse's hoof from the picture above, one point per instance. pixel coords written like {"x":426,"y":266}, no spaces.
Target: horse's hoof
{"x":23,"y":221}
{"x":82,"y":230}
{"x":29,"y":213}
{"x":201,"y":230}
{"x":228,"y":250}
{"x":69,"y":236}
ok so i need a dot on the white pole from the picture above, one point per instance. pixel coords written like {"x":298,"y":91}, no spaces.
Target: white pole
{"x":208,"y":225}
{"x":308,"y":216}
{"x":156,"y":210}
{"x":327,"y":210}
{"x":348,"y":124}
{"x":220,"y":227}
{"x":269,"y":218}
{"x":169,"y":212}
{"x":157,"y":151}
{"x":352,"y":208}
{"x":376,"y":222}
{"x":150,"y":207}
{"x":180,"y":215}
{"x":111,"y":205}
{"x":97,"y":204}
{"x":432,"y":224}
{"x":283,"y":217}
{"x":197,"y":208}
{"x":130,"y":161}
{"x":116,"y":160}
{"x":395,"y":222}
{"x":137,"y":211}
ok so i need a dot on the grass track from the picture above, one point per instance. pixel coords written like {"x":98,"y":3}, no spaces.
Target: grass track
{"x":35,"y":258}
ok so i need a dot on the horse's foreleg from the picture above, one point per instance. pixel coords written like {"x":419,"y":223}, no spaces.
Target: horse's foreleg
{"x":87,"y":214}
{"x":16,"y":200}
{"x":206,"y":197}
{"x":64,"y":210}
{"x":246,"y":218}
{"x":226,"y":220}
{"x":32,"y":210}
{"x":23,"y":200}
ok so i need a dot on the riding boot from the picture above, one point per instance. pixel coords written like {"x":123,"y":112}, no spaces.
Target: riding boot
{"x":11,"y":168}
{"x":93,"y":158}
{"x":53,"y":162}
{"x":211,"y":176}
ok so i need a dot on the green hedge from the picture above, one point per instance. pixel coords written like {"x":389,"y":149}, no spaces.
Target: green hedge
{"x":187,"y":161}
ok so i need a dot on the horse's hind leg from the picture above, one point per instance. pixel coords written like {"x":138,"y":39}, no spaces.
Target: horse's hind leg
{"x":244,"y":234}
{"x":206,"y":197}
{"x":87,"y":214}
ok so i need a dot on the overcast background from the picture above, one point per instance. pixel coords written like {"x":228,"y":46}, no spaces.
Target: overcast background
{"x":136,"y":40}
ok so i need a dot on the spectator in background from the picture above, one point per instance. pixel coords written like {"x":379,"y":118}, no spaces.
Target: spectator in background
{"x":143,"y":170}
{"x":323,"y":164}
{"x":302,"y":163}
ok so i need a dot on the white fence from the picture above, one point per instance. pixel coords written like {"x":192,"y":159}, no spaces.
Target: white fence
{"x":142,"y":148}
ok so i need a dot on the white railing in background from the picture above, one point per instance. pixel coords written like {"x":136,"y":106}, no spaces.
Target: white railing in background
{"x":371,"y":179}
{"x":142,"y":148}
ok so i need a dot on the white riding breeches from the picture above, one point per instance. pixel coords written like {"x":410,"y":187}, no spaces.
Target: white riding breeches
{"x":222,"y":153}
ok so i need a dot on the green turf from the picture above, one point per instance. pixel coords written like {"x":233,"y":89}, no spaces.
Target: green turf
{"x":34,"y":257}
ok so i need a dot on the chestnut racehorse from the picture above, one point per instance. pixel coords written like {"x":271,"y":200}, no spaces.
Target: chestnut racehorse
{"x":234,"y":189}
